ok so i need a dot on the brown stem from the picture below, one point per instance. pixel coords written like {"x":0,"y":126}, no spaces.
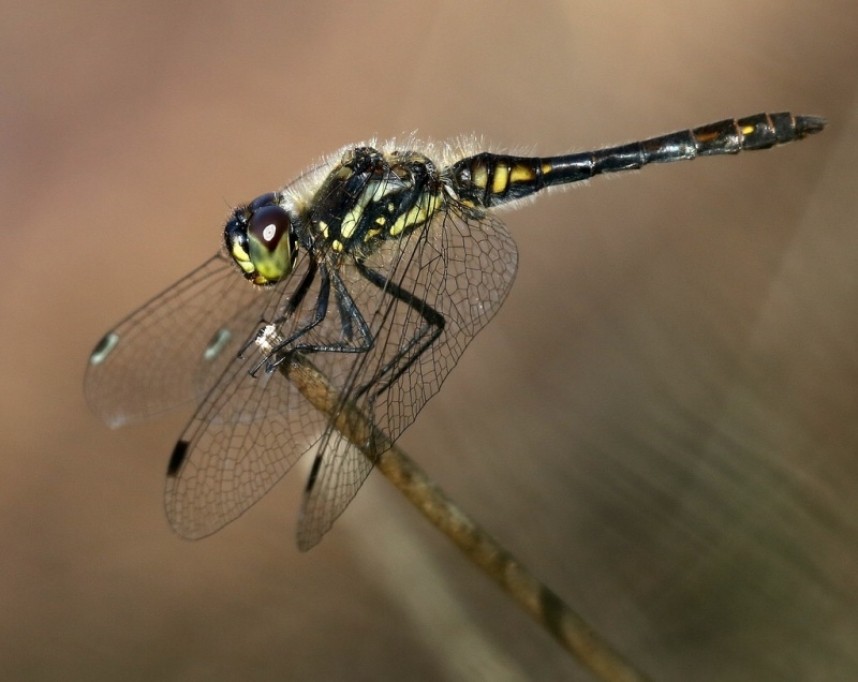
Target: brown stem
{"x":548,"y":609}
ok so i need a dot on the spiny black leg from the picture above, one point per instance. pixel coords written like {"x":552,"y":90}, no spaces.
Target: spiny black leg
{"x":425,"y":337}
{"x":272,"y":355}
{"x":290,"y":308}
{"x":300,"y":292}
{"x":348,"y":310}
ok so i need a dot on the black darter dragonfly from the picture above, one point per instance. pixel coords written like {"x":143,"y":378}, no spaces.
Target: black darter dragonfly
{"x":380,"y":265}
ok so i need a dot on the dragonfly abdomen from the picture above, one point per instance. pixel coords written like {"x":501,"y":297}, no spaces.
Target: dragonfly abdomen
{"x":488,"y":180}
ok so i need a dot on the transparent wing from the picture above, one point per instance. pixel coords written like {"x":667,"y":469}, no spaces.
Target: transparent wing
{"x":252,"y":425}
{"x":248,"y":432}
{"x":460,"y":266}
{"x":173,"y":349}
{"x":184,"y":345}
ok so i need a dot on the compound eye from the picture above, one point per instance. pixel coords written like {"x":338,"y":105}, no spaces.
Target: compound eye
{"x":268,"y":226}
{"x":271,"y":241}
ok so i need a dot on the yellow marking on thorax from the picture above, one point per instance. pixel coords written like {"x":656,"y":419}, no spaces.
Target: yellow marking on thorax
{"x":374,"y":193}
{"x":420,"y":213}
{"x":350,"y":222}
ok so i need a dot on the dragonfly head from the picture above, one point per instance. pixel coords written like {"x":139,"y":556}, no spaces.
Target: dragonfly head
{"x":260,"y":237}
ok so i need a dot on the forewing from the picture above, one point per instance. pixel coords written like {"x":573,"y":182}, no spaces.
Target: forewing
{"x":173,"y":349}
{"x":461,"y":265}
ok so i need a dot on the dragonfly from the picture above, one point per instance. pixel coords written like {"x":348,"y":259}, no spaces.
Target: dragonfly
{"x":379,"y":266}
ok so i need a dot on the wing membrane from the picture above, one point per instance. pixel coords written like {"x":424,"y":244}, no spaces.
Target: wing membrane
{"x":460,"y":265}
{"x":172,"y":350}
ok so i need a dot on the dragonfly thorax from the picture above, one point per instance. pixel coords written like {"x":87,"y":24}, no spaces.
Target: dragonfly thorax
{"x":370,"y":197}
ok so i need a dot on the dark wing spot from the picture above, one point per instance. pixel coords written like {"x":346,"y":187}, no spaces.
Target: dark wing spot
{"x":180,"y":453}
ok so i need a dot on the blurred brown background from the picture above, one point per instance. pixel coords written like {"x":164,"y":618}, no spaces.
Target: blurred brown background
{"x":661,"y":422}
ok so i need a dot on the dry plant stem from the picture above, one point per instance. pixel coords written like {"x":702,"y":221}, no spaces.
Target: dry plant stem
{"x":564,"y":624}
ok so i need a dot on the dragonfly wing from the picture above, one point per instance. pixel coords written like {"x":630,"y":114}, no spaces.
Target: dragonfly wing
{"x":172,"y":349}
{"x":247,"y":433}
{"x":253,"y":424}
{"x":338,"y":472}
{"x":461,"y":266}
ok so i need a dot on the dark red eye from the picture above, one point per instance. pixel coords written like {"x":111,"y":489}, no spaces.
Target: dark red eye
{"x":268,"y":226}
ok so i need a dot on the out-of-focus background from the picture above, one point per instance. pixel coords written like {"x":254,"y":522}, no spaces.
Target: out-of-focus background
{"x":662,"y":422}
